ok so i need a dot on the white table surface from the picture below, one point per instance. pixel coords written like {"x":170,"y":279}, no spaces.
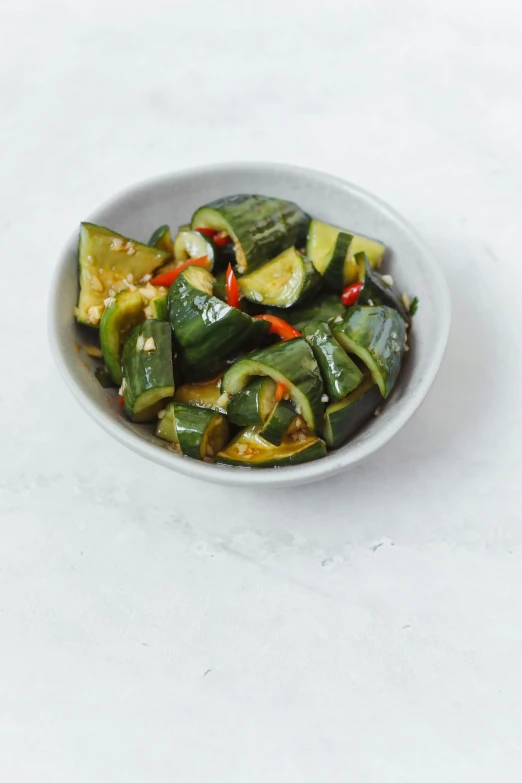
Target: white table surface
{"x":368,"y":628}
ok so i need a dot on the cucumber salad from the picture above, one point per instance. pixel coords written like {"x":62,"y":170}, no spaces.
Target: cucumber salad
{"x":255,"y":336}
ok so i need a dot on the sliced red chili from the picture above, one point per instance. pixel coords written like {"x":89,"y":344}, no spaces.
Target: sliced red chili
{"x":277,"y":326}
{"x":350,"y":294}
{"x":280,"y":391}
{"x":232,"y":288}
{"x":167,"y":278}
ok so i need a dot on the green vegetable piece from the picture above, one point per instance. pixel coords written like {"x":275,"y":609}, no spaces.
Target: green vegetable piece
{"x":103,"y":377}
{"x":291,"y":362}
{"x":375,"y":290}
{"x":199,"y":432}
{"x":414,"y":305}
{"x":162,"y":239}
{"x":279,"y":422}
{"x":281,"y":282}
{"x":159,"y":308}
{"x":250,"y":449}
{"x":105,"y":260}
{"x":206,"y":394}
{"x":261,"y":227}
{"x":340,"y":374}
{"x":125,"y":311}
{"x":376,"y":336}
{"x":207,"y":330}
{"x":329,"y":250}
{"x":323,"y":308}
{"x":321,"y":246}
{"x":253,"y":404}
{"x":343,"y":418}
{"x":148,"y":376}
{"x":192,"y":244}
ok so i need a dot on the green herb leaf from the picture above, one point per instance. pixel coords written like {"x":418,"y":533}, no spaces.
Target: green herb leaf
{"x":414,"y":305}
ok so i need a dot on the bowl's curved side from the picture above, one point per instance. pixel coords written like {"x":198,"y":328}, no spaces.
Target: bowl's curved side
{"x":138,"y":210}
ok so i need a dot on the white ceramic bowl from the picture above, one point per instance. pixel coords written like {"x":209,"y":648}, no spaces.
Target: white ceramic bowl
{"x":172,"y":199}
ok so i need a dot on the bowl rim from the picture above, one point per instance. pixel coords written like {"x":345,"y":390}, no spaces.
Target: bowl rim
{"x":336,"y":461}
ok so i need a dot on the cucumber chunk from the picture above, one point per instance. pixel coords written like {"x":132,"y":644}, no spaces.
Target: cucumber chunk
{"x":200,"y":433}
{"x":281,"y":282}
{"x":340,"y":374}
{"x":291,"y":362}
{"x":254,"y":404}
{"x":108,"y":263}
{"x":148,"y":376}
{"x":376,"y":335}
{"x":261,"y":227}
{"x":250,"y":449}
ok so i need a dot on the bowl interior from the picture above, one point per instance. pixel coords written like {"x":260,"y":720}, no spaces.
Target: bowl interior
{"x":173,"y":199}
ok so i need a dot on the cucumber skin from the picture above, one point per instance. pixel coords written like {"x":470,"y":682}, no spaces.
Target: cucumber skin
{"x":142,"y":371}
{"x":191,"y":424}
{"x":278,"y":422}
{"x":340,"y":374}
{"x":342,"y":423}
{"x":294,"y":360}
{"x":379,"y":332}
{"x":263,"y":226}
{"x":244,"y":408}
{"x":207,"y":330}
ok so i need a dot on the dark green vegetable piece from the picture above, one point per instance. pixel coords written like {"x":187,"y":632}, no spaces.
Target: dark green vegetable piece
{"x":250,"y":449}
{"x":322,"y":308}
{"x":414,"y":305}
{"x":281,"y":282}
{"x":340,"y":374}
{"x":375,"y":290}
{"x":126,"y":310}
{"x":291,"y":362}
{"x":260,"y":227}
{"x":343,"y":418}
{"x":376,"y":336}
{"x":199,"y":432}
{"x":106,"y":259}
{"x":279,"y":422}
{"x":253,"y":404}
{"x":148,"y":376}
{"x":207,"y":330}
{"x":103,"y":377}
{"x":162,"y":239}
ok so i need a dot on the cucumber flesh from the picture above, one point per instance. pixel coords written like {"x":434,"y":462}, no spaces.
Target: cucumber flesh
{"x":376,"y":335}
{"x":254,"y":404}
{"x":192,"y":244}
{"x":109,"y":263}
{"x":206,"y":394}
{"x":321,"y":245}
{"x":125,"y":311}
{"x":282,"y":281}
{"x":250,"y":449}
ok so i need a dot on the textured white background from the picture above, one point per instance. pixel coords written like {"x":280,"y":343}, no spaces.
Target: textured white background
{"x":367,"y":629}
